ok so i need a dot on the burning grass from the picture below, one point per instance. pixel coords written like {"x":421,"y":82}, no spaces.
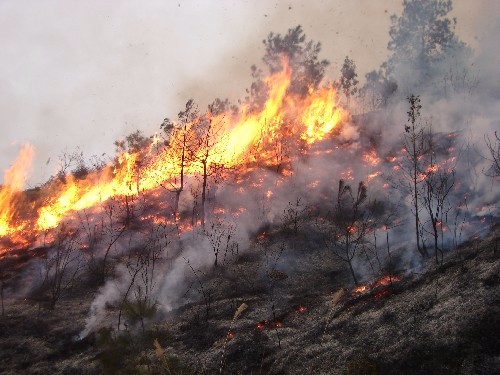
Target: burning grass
{"x":250,"y":206}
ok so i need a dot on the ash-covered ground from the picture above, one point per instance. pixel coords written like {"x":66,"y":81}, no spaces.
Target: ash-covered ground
{"x":299,"y":315}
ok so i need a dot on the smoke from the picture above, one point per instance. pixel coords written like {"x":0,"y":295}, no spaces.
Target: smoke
{"x":123,"y":85}
{"x":88,"y":74}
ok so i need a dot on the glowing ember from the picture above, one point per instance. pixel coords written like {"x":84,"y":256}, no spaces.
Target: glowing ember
{"x":313,"y":184}
{"x":262,"y":324}
{"x":373,"y":175}
{"x":376,"y":285}
{"x":300,"y":309}
{"x":371,"y":158}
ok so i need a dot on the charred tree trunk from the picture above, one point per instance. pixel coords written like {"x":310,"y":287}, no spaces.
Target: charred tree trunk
{"x":436,"y":246}
{"x":349,"y":257}
{"x":414,"y":145}
{"x":352,"y":272}
{"x":204,"y":193}
{"x":421,"y":250}
{"x":176,"y":202}
{"x":102,"y":276}
{"x":181,"y":187}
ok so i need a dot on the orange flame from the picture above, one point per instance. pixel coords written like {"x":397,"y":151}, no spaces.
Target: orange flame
{"x":321,"y":114}
{"x":381,"y":282}
{"x":242,"y":138}
{"x":14,"y":180}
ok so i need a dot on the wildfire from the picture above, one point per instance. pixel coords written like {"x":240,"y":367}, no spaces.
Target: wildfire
{"x":314,"y":184}
{"x":371,"y":158}
{"x":320,"y":117}
{"x":14,"y":180}
{"x":377,"y":286}
{"x":243,"y":137}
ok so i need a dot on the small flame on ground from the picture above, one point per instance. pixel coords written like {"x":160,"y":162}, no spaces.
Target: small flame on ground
{"x":386,"y":280}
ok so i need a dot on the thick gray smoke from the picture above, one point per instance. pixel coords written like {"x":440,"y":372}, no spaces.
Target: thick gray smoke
{"x":459,"y":93}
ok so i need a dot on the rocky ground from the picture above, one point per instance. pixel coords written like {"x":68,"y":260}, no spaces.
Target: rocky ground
{"x":300,"y":318}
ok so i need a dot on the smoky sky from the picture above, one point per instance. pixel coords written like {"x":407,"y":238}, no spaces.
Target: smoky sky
{"x":84,"y":74}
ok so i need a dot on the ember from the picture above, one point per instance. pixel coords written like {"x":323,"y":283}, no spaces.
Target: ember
{"x":262,"y":324}
{"x":300,"y":309}
{"x":374,"y":287}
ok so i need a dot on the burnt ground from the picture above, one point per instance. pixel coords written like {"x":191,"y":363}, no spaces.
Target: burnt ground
{"x":300,"y":319}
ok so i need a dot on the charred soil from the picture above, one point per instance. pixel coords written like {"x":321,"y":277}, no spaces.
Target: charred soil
{"x":299,"y":319}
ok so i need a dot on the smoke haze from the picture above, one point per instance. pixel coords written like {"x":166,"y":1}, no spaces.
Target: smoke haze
{"x":86,"y":74}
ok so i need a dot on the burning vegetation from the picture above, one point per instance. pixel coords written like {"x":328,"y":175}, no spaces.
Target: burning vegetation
{"x":269,"y":205}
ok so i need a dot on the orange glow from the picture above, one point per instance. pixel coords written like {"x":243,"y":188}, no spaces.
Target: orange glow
{"x":240,"y":139}
{"x":314,"y":184}
{"x":360,"y":289}
{"x":432,"y":168}
{"x":373,"y":175}
{"x":371,"y":158}
{"x":321,"y":115}
{"x":14,"y":180}
{"x":347,"y":174}
{"x":375,"y":284}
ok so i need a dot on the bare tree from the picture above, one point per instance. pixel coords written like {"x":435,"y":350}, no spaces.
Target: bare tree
{"x":415,"y":147}
{"x":1,"y":296}
{"x":388,"y":214}
{"x":205,"y":154}
{"x":349,"y":224}
{"x":493,"y":146}
{"x":71,"y":163}
{"x":293,"y":215}
{"x":139,"y":299}
{"x":207,"y":297}
{"x":107,"y":232}
{"x":60,"y":267}
{"x":178,"y":139}
{"x":438,"y":183}
{"x":220,"y":236}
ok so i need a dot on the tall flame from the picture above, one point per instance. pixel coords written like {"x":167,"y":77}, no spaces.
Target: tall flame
{"x":14,"y":180}
{"x":238,"y":135}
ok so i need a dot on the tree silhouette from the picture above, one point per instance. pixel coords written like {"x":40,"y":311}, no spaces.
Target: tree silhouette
{"x":415,"y":147}
{"x":422,"y":35}
{"x":178,"y":137}
{"x":349,"y":224}
{"x":302,"y":55}
{"x":348,"y":78}
{"x":493,"y":146}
